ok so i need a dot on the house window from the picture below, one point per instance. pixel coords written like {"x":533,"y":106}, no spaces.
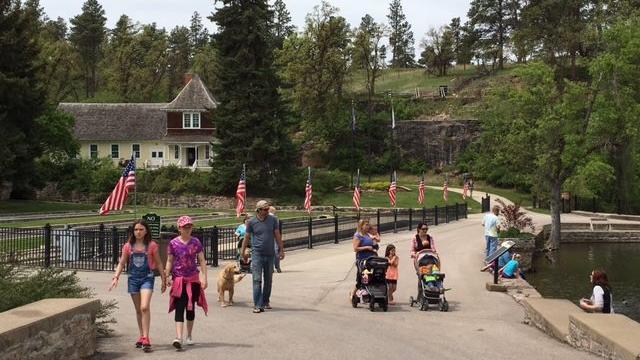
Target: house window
{"x":207,"y":151}
{"x":115,"y":151}
{"x":135,"y":148}
{"x":157,"y":155}
{"x":93,"y":151}
{"x":191,"y":120}
{"x":177,"y":152}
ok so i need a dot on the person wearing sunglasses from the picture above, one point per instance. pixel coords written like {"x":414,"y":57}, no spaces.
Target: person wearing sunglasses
{"x":422,"y":240}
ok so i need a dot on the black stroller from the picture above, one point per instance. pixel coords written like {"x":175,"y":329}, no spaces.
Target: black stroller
{"x":430,"y":282}
{"x":371,"y":286}
{"x":245,"y":267}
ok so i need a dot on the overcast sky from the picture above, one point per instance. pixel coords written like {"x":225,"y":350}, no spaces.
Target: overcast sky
{"x":421,"y":14}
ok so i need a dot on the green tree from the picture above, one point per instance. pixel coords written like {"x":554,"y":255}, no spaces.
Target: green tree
{"x":538,"y":133}
{"x":250,"y":116}
{"x":401,"y":38}
{"x":438,"y":50}
{"x":282,"y":27}
{"x":178,"y":58}
{"x":366,"y":54}
{"x":152,"y":56}
{"x":121,"y":60}
{"x":315,"y":64}
{"x":87,"y":36}
{"x":21,"y":96}
{"x":491,"y":19}
{"x":198,"y":35}
{"x":205,"y":64}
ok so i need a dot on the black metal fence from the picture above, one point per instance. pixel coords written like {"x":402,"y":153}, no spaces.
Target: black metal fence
{"x":99,"y":248}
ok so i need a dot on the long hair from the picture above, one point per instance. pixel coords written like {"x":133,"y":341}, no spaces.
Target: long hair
{"x":361,"y":225}
{"x":599,"y":278}
{"x":147,"y":236}
{"x":388,"y":249}
{"x":421,"y":224}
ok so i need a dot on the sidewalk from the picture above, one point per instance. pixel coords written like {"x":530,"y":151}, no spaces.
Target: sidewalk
{"x":312,"y":316}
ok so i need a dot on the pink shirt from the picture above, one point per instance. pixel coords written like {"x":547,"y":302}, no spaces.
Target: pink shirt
{"x":152,"y":250}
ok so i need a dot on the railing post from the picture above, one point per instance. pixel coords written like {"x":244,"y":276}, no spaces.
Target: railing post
{"x":594,"y":204}
{"x":114,"y":246}
{"x":446,"y":213}
{"x":410,"y":217}
{"x":466,"y":211}
{"x":378,"y":219}
{"x":395,"y":220}
{"x":214,"y":246}
{"x":101,"y":240}
{"x":424,"y":214}
{"x":457,"y":216}
{"x":47,"y":245}
{"x":310,"y":236}
{"x":435,"y":216}
{"x":335,"y":229}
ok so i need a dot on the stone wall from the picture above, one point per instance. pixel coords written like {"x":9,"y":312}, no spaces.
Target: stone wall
{"x":437,"y":141}
{"x":49,"y":329}
{"x":581,"y":233}
{"x":525,"y":247}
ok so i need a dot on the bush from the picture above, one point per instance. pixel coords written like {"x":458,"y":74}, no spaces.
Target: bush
{"x":21,"y":286}
{"x":376,"y":185}
{"x":513,"y":219}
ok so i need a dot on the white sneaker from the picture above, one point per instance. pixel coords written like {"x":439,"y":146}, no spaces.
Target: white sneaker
{"x":177,"y":343}
{"x":189,"y":341}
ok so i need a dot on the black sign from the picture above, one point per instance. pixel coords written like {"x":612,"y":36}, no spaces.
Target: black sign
{"x":154,"y":225}
{"x":506,"y":245}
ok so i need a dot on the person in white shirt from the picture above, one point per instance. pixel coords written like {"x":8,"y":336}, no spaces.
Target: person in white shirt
{"x":601,"y":300}
{"x":491,"y":227}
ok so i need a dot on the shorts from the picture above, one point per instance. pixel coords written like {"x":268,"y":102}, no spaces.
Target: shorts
{"x":135,"y":284}
{"x":392,"y":281}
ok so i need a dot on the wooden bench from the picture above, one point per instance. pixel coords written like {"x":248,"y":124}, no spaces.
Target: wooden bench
{"x":596,"y":222}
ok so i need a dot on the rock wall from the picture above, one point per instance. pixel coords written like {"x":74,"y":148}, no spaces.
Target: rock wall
{"x":438,"y":142}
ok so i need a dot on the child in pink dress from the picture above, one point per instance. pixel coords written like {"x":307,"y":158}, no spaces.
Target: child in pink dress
{"x":392,"y":271}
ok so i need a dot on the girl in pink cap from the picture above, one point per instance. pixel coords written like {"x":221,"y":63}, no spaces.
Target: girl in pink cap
{"x":184,"y":254}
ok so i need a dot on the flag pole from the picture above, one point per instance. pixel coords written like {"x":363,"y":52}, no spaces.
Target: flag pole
{"x":135,"y":190}
{"x":353,"y":135}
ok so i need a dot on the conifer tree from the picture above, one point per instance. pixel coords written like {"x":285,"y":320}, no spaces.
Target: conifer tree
{"x":401,"y":38}
{"x":87,"y":36}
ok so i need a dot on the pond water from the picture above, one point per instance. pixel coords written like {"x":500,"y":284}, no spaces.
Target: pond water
{"x":568,"y":276}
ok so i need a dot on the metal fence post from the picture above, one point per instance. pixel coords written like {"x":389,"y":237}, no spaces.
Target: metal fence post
{"x":378,"y":219}
{"x":424,"y":215}
{"x":214,"y":246}
{"x":457,"y":216}
{"x":435,"y":216}
{"x":102,"y":240}
{"x":47,"y":245}
{"x":466,"y":211}
{"x":410,"y":217}
{"x":446,"y":213}
{"x":395,"y":220}
{"x":310,"y":236}
{"x":335,"y":229}
{"x":114,"y":246}
{"x":594,"y":204}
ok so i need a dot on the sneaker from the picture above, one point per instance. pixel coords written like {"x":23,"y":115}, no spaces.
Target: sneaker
{"x":268,"y":307}
{"x":177,"y":343}
{"x":189,"y":341}
{"x":258,"y":310}
{"x":139,"y":342}
{"x":146,"y":344}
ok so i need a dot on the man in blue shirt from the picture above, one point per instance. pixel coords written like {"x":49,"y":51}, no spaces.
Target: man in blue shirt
{"x":491,"y":228}
{"x":262,"y":230}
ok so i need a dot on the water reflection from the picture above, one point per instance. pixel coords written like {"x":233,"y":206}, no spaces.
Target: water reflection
{"x":568,"y":276}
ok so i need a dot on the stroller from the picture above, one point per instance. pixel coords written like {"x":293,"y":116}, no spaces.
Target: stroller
{"x":371,"y":286}
{"x":245,"y":267}
{"x":430,"y":282}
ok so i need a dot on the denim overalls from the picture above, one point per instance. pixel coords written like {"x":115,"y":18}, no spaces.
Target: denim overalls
{"x":140,"y":273}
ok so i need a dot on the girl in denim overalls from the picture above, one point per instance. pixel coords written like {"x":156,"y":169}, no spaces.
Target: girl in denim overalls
{"x":141,"y":255}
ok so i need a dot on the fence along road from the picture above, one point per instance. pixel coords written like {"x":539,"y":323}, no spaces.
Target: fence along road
{"x":99,"y":248}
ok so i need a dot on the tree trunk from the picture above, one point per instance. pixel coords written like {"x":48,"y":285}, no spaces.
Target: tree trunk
{"x":556,"y":206}
{"x":624,"y":168}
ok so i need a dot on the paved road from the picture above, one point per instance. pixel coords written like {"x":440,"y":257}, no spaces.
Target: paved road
{"x":313,"y":319}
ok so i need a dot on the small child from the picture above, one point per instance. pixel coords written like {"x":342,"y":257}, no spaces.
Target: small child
{"x":512,"y":269}
{"x":392,"y":271}
{"x":141,"y":254}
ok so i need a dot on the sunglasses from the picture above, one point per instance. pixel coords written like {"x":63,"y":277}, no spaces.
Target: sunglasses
{"x":424,"y":228}
{"x":264,"y":209}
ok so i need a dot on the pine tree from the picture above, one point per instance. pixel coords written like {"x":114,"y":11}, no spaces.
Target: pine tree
{"x":401,"y":38}
{"x":282,"y":27}
{"x":87,"y":36}
{"x":21,"y":97}
{"x":250,"y":116}
{"x":491,"y":19}
{"x":121,"y":59}
{"x":179,"y":59}
{"x":198,"y":34}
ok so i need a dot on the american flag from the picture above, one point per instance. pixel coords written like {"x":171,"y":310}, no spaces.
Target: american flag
{"x":356,"y":192}
{"x":465,"y":191}
{"x":421,"y":191}
{"x":308,"y":193}
{"x":445,"y":191}
{"x":241,"y":193}
{"x":392,"y":190}
{"x":118,"y":196}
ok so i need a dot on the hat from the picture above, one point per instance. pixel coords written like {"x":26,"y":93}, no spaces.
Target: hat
{"x":262,"y":204}
{"x":184,"y":220}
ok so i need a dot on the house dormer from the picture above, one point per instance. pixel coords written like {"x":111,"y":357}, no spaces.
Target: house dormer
{"x":191,"y":112}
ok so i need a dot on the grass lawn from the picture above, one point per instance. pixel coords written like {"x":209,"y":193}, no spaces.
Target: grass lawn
{"x":30,"y":206}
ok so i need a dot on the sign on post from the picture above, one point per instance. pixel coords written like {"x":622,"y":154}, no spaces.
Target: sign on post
{"x":154,"y":225}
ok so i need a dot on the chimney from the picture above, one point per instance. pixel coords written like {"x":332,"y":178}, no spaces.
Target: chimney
{"x":186,"y":78}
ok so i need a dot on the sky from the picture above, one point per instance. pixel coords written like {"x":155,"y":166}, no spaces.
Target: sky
{"x":421,"y":14}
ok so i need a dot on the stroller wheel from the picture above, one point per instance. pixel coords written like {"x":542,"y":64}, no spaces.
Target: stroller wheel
{"x":444,"y":306}
{"x":372,"y":304}
{"x":385,"y":305}
{"x":411,"y":301}
{"x":424,"y":306}
{"x":354,"y":301}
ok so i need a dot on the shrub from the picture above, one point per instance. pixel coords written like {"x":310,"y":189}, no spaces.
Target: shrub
{"x":513,"y":219}
{"x":21,"y":286}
